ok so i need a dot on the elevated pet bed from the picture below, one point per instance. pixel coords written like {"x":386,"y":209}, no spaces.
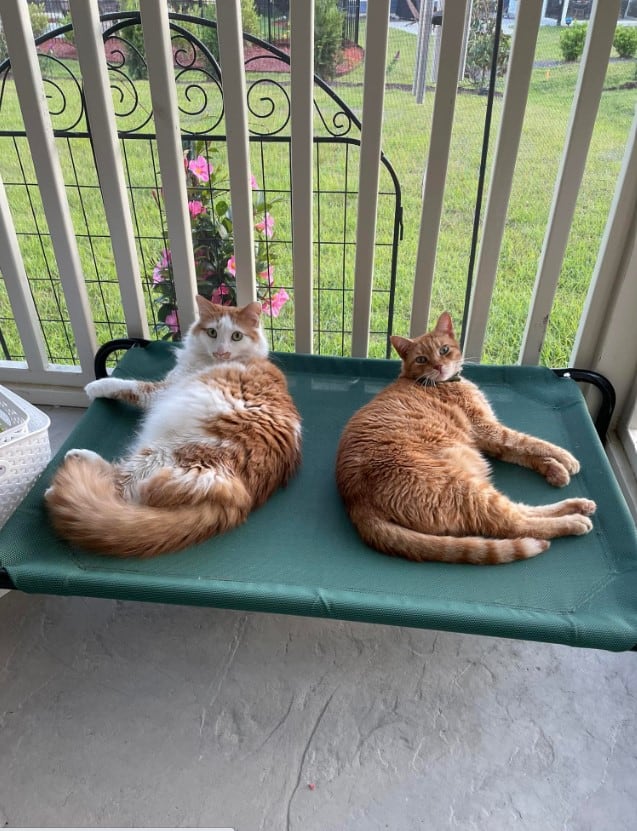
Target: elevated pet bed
{"x":300,"y":555}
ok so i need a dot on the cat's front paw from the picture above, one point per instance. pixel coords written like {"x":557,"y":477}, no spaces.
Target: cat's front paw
{"x":106,"y":388}
{"x":567,"y":460}
{"x":98,"y":389}
{"x":555,"y":473}
{"x":81,"y":453}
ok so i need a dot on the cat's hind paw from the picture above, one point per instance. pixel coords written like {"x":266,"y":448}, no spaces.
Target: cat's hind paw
{"x":580,"y":525}
{"x":585,"y":506}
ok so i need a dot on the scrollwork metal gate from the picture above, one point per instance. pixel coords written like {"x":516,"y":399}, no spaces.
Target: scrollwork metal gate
{"x":200,"y":92}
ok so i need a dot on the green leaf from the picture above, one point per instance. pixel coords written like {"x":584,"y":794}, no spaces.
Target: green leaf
{"x":165,"y":310}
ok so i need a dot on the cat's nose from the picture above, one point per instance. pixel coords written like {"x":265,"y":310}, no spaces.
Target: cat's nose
{"x":438,"y":367}
{"x":220,"y":354}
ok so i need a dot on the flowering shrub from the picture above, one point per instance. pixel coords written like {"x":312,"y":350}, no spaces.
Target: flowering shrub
{"x":213,"y":246}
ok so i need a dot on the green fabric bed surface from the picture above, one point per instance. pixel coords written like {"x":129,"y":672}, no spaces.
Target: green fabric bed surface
{"x":300,"y":555}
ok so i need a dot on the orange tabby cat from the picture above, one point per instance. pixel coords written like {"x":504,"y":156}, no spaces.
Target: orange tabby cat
{"x":413,"y":479}
{"x":219,"y":436}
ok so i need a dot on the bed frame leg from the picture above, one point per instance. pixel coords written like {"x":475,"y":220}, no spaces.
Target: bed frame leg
{"x":5,"y":581}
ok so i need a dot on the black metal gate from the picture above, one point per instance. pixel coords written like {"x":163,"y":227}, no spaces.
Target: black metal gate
{"x":200,"y":96}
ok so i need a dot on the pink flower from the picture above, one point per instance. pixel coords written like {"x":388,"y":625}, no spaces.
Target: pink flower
{"x":231,"y":266}
{"x":266,"y":225}
{"x":172,"y":321}
{"x":273,"y":306}
{"x":200,"y":168}
{"x":196,"y":207}
{"x":267,"y":275}
{"x":162,"y":264}
{"x":219,"y":293}
{"x":253,"y":182}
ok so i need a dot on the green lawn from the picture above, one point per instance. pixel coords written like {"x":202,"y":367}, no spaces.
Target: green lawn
{"x":548,"y":45}
{"x":405,"y":141}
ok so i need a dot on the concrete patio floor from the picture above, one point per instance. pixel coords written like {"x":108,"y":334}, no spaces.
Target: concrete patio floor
{"x":127,"y":714}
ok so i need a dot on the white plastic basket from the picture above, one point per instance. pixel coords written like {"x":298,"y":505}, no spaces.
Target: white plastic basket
{"x":24,"y":449}
{"x":14,"y":420}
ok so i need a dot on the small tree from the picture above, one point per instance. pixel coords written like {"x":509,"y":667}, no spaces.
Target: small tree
{"x":572,"y":41}
{"x":480,"y":45}
{"x":328,"y":38}
{"x":39,"y":19}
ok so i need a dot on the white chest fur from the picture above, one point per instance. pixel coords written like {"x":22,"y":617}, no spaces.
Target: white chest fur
{"x":180,"y":412}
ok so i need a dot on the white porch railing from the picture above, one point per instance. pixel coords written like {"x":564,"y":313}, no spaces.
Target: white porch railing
{"x":607,"y":339}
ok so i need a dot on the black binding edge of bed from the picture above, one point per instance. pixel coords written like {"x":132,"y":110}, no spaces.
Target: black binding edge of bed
{"x":600,"y":382}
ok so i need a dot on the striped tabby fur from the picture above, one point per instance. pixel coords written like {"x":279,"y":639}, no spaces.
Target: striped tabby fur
{"x":413,"y":478}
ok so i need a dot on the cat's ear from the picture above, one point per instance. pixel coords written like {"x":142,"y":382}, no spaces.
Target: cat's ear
{"x":401,"y":345}
{"x":252,"y":312}
{"x":445,"y":325}
{"x":206,"y":307}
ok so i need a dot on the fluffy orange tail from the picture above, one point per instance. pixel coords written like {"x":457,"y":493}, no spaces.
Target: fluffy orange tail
{"x":394,"y":539}
{"x":86,"y":509}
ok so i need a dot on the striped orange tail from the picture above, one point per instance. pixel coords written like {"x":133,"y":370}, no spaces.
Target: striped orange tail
{"x":394,"y":539}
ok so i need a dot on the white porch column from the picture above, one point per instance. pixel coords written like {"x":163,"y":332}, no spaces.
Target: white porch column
{"x":161,"y":78}
{"x":369,"y":171}
{"x":37,"y":122}
{"x":230,"y":31}
{"x":302,"y":147}
{"x":101,"y":116}
{"x":582,"y":121}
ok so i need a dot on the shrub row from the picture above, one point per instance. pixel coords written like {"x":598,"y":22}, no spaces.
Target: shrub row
{"x":572,"y":41}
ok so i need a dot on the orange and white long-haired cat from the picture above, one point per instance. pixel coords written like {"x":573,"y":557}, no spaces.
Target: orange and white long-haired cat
{"x":219,"y":436}
{"x":414,"y":481}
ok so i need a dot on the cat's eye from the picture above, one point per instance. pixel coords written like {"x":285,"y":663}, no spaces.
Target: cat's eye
{"x":421,"y":359}
{"x":444,"y":350}
{"x":236,"y":336}
{"x":212,"y":333}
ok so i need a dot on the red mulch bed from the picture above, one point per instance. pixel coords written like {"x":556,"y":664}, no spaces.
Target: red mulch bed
{"x":61,"y":48}
{"x":260,"y":60}
{"x":257,"y":58}
{"x":352,"y":56}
